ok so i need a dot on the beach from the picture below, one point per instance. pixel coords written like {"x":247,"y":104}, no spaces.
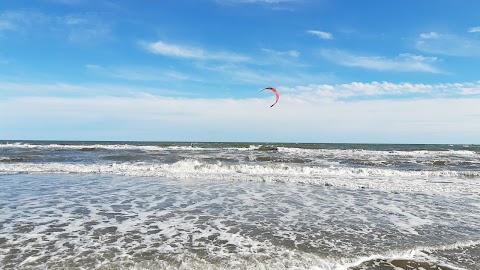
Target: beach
{"x":170,"y":205}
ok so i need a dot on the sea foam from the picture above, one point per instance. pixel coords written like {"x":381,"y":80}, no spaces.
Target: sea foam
{"x":447,"y":181}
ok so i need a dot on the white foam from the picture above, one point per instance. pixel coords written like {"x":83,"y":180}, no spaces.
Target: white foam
{"x":363,"y":152}
{"x":265,"y":225}
{"x":285,"y":150}
{"x":446,"y":181}
{"x":99,"y":146}
{"x":414,"y":157}
{"x":125,"y":146}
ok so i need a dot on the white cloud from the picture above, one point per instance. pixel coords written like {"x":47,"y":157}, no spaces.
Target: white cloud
{"x":320,"y":34}
{"x":139,"y":73}
{"x":85,"y":28}
{"x":40,"y":89}
{"x":291,"y":53}
{"x":162,"y":48}
{"x":283,"y":60}
{"x":266,"y":1}
{"x":385,"y":90}
{"x":254,"y":1}
{"x":241,"y":74}
{"x":74,"y":20}
{"x":63,"y":89}
{"x":354,"y":112}
{"x":88,"y":27}
{"x":6,"y":25}
{"x":158,"y":118}
{"x":19,"y":20}
{"x":180,"y":51}
{"x":67,"y":2}
{"x":448,"y":44}
{"x":402,"y":63}
{"x":305,"y":93}
{"x":431,"y":35}
{"x":474,"y":29}
{"x":264,"y":76}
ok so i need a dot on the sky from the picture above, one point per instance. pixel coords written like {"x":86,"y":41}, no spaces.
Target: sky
{"x":348,"y":71}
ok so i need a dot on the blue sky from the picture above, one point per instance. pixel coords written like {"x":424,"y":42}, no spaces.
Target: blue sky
{"x":347,"y":71}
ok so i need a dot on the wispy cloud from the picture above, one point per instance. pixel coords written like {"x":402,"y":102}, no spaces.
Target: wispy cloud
{"x":320,"y":34}
{"x":474,"y":29}
{"x":180,"y":51}
{"x":163,"y":48}
{"x":276,"y":71}
{"x":87,"y":27}
{"x":67,"y":2}
{"x":138,"y":73}
{"x":291,"y":53}
{"x":449,"y":44}
{"x":266,"y":1}
{"x":430,"y":35}
{"x":151,"y":117}
{"x":65,"y":89}
{"x":306,"y":93}
{"x":280,"y":5}
{"x":402,"y":63}
{"x":254,"y":1}
{"x":386,"y":90}
{"x":20,"y":20}
{"x":6,"y":25}
{"x":41,"y":89}
{"x":290,"y":60}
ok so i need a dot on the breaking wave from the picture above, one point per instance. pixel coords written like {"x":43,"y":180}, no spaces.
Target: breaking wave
{"x":376,"y":178}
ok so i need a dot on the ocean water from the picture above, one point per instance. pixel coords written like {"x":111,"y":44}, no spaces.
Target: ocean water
{"x":139,"y":205}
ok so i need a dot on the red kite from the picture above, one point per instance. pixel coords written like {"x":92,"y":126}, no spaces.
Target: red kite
{"x":276,"y":94}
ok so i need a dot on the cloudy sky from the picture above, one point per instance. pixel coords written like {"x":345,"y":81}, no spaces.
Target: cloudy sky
{"x":400,"y":71}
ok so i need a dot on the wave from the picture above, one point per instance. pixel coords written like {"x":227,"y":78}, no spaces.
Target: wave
{"x":375,"y":178}
{"x":17,"y":159}
{"x":417,"y":258}
{"x":290,"y":261}
{"x":292,"y":149}
{"x":380,"y":153}
{"x":465,"y":160}
{"x":86,"y":147}
{"x":141,"y":147}
{"x":196,"y":166}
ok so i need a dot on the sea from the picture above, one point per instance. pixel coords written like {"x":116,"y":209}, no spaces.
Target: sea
{"x":219,"y":205}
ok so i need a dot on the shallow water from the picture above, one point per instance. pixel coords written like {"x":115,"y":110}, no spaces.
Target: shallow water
{"x":105,"y":221}
{"x":139,"y":205}
{"x":413,"y":168}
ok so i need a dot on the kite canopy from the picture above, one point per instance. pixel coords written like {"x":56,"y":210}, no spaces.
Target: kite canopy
{"x":276,"y":94}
